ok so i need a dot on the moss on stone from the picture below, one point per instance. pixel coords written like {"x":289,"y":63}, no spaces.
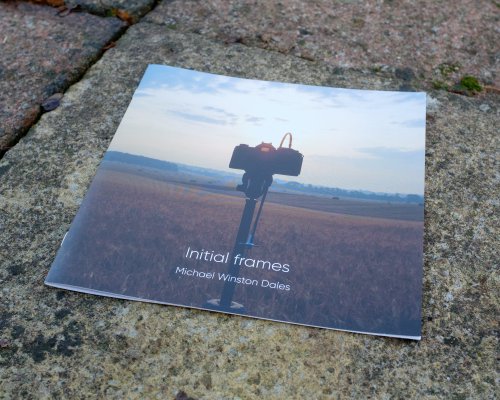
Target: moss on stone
{"x":471,"y":83}
{"x":439,"y":85}
{"x":447,"y":69}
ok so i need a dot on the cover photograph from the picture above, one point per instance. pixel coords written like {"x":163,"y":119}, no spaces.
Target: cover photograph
{"x":286,"y":202}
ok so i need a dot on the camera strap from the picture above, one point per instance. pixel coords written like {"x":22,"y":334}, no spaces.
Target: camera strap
{"x":289,"y":140}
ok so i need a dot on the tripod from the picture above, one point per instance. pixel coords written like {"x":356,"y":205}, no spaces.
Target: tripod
{"x":254,"y":185}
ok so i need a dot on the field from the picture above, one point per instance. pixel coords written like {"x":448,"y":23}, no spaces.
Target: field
{"x":346,"y":271}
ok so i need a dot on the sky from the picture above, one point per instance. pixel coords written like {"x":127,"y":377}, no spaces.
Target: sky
{"x":351,"y":139}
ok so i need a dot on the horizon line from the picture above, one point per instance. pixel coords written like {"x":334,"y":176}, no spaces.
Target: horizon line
{"x":289,"y":181}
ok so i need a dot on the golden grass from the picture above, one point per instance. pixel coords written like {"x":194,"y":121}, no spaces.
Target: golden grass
{"x":346,"y":272}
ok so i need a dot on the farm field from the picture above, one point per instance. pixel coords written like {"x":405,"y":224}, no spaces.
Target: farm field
{"x":346,"y":271}
{"x":379,"y":209}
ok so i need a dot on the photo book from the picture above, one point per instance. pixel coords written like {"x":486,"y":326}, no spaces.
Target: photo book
{"x":285,"y":202}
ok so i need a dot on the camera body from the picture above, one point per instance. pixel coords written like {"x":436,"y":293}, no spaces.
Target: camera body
{"x":265,"y":159}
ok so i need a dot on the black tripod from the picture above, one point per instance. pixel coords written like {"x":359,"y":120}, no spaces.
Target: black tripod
{"x":254,"y":185}
{"x":259,"y":163}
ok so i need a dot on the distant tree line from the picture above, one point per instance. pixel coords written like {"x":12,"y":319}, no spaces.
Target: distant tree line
{"x":356,"y":194}
{"x":142,"y":161}
{"x":335,"y":193}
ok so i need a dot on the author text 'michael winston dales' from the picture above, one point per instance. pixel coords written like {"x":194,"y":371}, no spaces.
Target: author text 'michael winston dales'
{"x":226,"y":277}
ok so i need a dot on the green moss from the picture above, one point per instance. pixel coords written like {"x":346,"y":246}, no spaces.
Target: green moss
{"x":470,"y":83}
{"x":468,"y":86}
{"x":439,"y":85}
{"x":447,"y":69}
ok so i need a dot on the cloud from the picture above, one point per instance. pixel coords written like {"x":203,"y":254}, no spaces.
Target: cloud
{"x":221,"y":111}
{"x":418,"y":123}
{"x":198,"y":118}
{"x":140,"y":93}
{"x":170,"y":78}
{"x":254,"y":120}
{"x":411,"y":123}
{"x":392,"y":153}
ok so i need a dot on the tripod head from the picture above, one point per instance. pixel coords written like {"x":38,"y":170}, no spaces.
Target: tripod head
{"x":254,"y":185}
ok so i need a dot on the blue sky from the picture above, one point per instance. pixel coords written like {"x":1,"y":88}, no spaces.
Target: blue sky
{"x":353,"y":139}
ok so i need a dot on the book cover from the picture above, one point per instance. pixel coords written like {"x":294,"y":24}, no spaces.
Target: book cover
{"x":292,"y":203}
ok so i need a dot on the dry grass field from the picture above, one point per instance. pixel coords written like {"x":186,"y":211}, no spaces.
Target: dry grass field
{"x":346,"y":272}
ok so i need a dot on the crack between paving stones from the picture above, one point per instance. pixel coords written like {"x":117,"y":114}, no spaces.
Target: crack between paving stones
{"x":23,"y":133}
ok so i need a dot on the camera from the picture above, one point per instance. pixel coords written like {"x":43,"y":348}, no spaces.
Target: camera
{"x":265,"y":159}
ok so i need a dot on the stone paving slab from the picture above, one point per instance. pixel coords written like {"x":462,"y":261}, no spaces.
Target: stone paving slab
{"x":57,"y":344}
{"x":442,"y":41}
{"x":41,"y":54}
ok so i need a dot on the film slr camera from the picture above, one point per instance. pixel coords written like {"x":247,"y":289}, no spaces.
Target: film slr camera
{"x":260,"y":163}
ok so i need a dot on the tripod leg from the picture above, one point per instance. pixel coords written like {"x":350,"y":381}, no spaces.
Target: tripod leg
{"x":239,"y":249}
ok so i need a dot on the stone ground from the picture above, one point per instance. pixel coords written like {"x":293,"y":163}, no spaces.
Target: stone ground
{"x":57,"y":344}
